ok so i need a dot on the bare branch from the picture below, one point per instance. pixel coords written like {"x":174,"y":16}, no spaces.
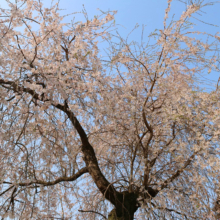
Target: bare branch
{"x":93,"y":212}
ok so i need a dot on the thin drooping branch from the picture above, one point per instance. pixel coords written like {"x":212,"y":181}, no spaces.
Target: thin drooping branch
{"x":50,"y":183}
{"x":58,"y":180}
{"x":6,"y":190}
{"x":153,"y":161}
{"x":170,"y":210}
{"x":178,"y":172}
{"x":89,"y":154}
{"x":93,"y":212}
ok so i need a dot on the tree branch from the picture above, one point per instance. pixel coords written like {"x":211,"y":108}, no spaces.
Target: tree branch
{"x":88,"y":151}
{"x":93,"y":212}
{"x":178,"y":172}
{"x":58,"y":180}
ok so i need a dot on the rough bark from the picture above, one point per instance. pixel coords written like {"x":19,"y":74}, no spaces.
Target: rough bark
{"x":125,"y":203}
{"x":125,"y":207}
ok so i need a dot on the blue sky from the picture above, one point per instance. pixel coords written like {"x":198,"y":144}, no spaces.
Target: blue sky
{"x":130,"y":12}
{"x":143,"y":12}
{"x":146,"y":12}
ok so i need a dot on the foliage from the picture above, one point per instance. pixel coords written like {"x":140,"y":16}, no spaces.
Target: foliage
{"x":81,"y":134}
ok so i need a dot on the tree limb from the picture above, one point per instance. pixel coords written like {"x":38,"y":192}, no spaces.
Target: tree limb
{"x":178,"y":172}
{"x":58,"y":180}
{"x":93,"y":212}
{"x":88,"y":151}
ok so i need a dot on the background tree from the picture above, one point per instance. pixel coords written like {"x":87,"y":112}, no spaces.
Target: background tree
{"x":85,"y":137}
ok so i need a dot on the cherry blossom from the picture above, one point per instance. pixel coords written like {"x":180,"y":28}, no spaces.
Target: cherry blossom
{"x":134,"y":134}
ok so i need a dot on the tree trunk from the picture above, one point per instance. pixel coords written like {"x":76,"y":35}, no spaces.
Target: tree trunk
{"x":113,"y":216}
{"x":125,"y":207}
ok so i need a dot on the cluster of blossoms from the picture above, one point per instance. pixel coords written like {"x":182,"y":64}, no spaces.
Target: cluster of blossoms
{"x":138,"y":133}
